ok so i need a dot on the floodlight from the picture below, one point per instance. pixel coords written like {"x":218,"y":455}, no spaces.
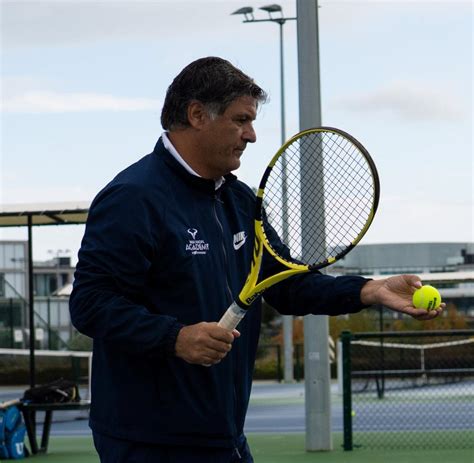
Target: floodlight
{"x":273,"y":8}
{"x":247,"y":11}
{"x":243,"y":10}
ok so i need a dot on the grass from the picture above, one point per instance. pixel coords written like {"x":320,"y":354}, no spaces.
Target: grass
{"x":274,"y":448}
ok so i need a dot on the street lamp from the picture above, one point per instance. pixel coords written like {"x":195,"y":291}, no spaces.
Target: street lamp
{"x":247,"y":12}
{"x":275,"y":15}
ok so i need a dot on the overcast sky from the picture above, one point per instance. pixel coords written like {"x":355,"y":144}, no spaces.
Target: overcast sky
{"x":83,"y":84}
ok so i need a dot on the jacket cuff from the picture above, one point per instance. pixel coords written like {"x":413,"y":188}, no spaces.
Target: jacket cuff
{"x":350,"y":297}
{"x":170,"y":341}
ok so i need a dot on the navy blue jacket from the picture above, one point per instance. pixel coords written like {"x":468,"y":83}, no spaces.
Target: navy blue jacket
{"x":162,"y":249}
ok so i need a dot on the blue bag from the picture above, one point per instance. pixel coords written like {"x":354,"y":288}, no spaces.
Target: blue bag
{"x":12,"y":434}
{"x":12,"y":416}
{"x":15,"y":442}
{"x":3,"y":447}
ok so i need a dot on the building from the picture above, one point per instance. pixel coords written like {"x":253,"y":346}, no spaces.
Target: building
{"x":450,"y":265}
{"x":53,"y":278}
{"x":53,"y":326}
{"x":388,"y":259}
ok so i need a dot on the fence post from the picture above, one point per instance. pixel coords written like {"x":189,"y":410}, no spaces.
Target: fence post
{"x":346,"y":337}
{"x":279,"y":373}
{"x":298,"y":372}
{"x":381,"y":385}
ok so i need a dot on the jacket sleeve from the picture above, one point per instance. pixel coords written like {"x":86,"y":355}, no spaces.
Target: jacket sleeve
{"x":117,"y":250}
{"x":317,"y":294}
{"x":310,"y":293}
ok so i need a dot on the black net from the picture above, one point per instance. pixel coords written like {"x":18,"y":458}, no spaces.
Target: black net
{"x":413,"y":393}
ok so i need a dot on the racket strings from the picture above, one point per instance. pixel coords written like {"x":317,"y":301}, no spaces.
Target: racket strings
{"x":319,"y":196}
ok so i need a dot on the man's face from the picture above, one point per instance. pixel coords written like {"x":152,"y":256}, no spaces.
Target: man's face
{"x":225,"y":137}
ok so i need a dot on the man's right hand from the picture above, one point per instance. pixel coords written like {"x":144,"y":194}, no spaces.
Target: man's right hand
{"x":204,"y":343}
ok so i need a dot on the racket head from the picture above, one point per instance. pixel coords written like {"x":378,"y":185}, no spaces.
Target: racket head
{"x":319,"y":193}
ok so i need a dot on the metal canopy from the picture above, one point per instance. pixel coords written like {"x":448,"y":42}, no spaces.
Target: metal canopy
{"x":29,"y":215}
{"x":16,"y":215}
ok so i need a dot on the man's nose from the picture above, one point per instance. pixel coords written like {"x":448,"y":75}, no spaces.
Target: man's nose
{"x":249,"y":135}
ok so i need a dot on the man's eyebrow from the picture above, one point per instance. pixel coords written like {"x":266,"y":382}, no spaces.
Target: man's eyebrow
{"x":247,"y":115}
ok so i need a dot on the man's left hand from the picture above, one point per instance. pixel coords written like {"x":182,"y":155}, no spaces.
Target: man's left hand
{"x":396,"y":293}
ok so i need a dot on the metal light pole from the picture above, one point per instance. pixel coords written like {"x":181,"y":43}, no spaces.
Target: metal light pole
{"x":316,"y":327}
{"x":247,"y":11}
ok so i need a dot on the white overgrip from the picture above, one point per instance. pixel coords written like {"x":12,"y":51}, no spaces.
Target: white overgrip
{"x":232,"y":317}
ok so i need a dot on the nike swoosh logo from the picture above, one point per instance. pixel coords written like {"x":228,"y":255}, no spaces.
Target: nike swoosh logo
{"x":239,"y":244}
{"x":239,"y":240}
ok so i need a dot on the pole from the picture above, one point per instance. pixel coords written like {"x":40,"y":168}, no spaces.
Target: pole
{"x":282,"y":86}
{"x":50,"y":344}
{"x":288,"y":374}
{"x":316,"y":328}
{"x":31,"y":301}
{"x":347,"y":388}
{"x":287,"y":319}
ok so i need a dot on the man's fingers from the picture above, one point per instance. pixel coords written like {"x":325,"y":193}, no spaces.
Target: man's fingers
{"x":204,"y":343}
{"x":219,"y":346}
{"x":413,"y":280}
{"x":222,"y":334}
{"x":423,"y":314}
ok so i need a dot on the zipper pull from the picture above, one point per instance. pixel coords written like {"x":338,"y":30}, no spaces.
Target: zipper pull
{"x":236,"y":451}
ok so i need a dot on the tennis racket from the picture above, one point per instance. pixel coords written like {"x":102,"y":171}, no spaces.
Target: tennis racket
{"x":319,"y":194}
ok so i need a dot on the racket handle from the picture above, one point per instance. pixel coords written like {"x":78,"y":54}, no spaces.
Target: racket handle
{"x":232,"y":317}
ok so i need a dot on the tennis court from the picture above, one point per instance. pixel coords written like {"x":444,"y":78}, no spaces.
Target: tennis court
{"x":272,"y":448}
{"x":275,"y":428}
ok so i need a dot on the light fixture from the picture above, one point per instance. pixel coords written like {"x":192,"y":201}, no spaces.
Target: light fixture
{"x":247,"y":11}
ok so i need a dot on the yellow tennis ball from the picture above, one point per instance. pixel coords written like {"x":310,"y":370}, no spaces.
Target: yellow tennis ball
{"x":427,"y":297}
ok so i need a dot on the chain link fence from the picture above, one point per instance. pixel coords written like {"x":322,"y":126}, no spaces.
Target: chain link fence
{"x":408,"y":389}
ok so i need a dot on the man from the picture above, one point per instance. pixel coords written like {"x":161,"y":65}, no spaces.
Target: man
{"x":157,"y":269}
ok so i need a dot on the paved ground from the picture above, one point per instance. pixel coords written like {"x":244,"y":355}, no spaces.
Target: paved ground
{"x":279,"y":408}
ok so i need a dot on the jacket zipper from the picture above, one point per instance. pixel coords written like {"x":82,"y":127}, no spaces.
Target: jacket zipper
{"x":226,"y":263}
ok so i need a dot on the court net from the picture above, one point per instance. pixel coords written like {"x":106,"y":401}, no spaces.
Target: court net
{"x":409,"y":390}
{"x":382,"y":364}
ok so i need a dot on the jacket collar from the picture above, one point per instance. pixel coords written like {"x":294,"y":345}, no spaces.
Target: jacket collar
{"x":201,"y":184}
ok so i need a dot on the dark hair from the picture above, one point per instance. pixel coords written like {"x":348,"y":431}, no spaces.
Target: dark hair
{"x":214,"y":82}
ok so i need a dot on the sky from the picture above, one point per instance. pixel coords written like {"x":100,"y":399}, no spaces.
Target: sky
{"x":82,"y":85}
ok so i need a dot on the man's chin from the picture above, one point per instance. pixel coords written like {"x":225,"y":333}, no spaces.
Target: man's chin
{"x":236,"y":165}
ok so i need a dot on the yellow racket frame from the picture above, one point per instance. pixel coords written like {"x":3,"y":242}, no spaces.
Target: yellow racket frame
{"x":251,"y":289}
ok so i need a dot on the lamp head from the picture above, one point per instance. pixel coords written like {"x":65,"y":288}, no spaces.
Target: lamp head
{"x":247,"y":11}
{"x":273,"y":8}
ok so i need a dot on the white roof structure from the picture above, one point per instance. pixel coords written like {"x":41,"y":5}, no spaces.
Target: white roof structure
{"x":57,"y":213}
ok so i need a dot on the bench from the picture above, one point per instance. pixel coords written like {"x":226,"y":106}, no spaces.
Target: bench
{"x":29,"y":415}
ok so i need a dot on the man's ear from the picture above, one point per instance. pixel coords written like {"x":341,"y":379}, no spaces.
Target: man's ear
{"x":197,"y":114}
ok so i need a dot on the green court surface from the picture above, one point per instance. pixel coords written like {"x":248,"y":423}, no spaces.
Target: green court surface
{"x":274,"y":448}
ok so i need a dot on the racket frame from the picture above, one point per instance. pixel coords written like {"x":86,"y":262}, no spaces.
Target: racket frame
{"x":251,"y":289}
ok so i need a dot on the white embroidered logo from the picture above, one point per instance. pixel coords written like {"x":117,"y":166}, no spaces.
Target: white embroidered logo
{"x":196,"y":246}
{"x":192,"y":232}
{"x":239,"y":240}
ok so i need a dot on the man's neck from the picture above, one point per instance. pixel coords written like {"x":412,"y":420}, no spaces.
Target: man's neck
{"x":186,"y":146}
{"x":185,"y":149}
